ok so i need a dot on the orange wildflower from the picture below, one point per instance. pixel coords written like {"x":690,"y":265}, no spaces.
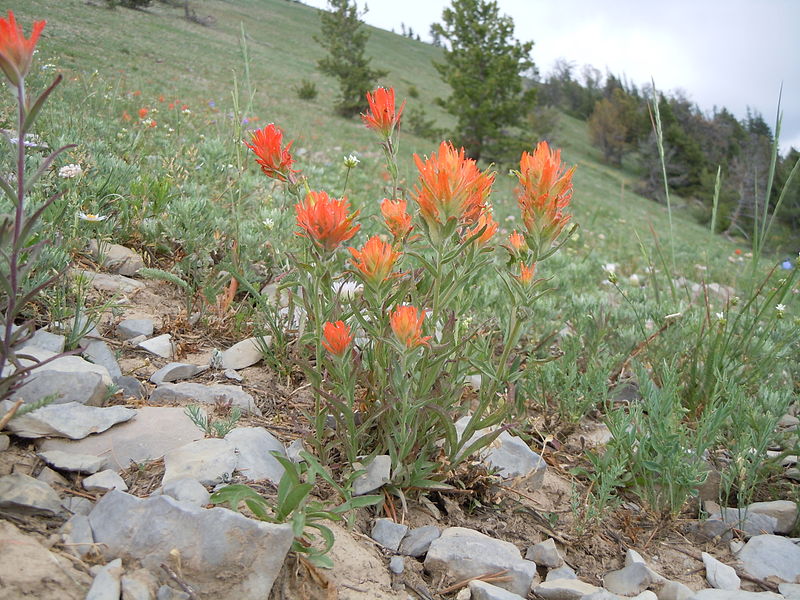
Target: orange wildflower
{"x":485,"y":220}
{"x":161,"y":98}
{"x":397,"y":220}
{"x":16,"y":52}
{"x":382,"y":116}
{"x":137,"y":93}
{"x":526,"y":273}
{"x":337,"y":337}
{"x":406,"y":324}
{"x":325,"y":221}
{"x":125,"y":116}
{"x":171,"y":105}
{"x":152,"y":123}
{"x":545,"y":189}
{"x":275,"y":160}
{"x":517,"y":241}
{"x":451,"y":187}
{"x":375,"y":260}
{"x":143,"y":113}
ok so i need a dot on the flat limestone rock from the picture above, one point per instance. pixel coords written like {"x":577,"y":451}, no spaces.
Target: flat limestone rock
{"x":63,"y":387}
{"x":205,"y":394}
{"x":254,"y":446}
{"x":771,"y":556}
{"x":223,"y":554}
{"x":464,"y":553}
{"x":244,"y":354}
{"x":68,"y":461}
{"x":115,"y":284}
{"x":71,"y":420}
{"x":26,"y":495}
{"x":208,"y":461}
{"x":153,"y":432}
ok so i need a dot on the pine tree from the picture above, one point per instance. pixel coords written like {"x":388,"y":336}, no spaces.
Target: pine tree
{"x":345,"y":40}
{"x":483,"y":66}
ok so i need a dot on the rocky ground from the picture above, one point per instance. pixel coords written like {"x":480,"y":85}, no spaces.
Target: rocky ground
{"x":107,"y":496}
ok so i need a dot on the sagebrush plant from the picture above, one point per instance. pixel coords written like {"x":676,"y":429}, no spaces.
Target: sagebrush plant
{"x":21,"y":242}
{"x":391,"y":334}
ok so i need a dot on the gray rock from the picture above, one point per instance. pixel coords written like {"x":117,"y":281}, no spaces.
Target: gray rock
{"x":562,"y":572}
{"x":205,"y":394}
{"x":52,"y":342}
{"x":174,"y":371}
{"x":63,"y":387}
{"x":223,"y":554}
{"x":750,"y":522}
{"x":99,"y":353}
{"x":104,"y":481}
{"x":783,"y":511}
{"x":377,"y":474}
{"x":50,"y":477}
{"x":130,"y":386}
{"x":62,"y":364}
{"x":564,"y":589}
{"x":418,"y":540}
{"x":545,"y":554}
{"x":67,"y":461}
{"x":397,"y":565}
{"x":161,"y":345}
{"x":71,"y":420}
{"x":5,"y":442}
{"x":106,"y":584}
{"x":131,"y":328}
{"x":152,"y":433}
{"x":26,"y":495}
{"x":673,"y":590}
{"x":606,"y":595}
{"x":645,"y":595}
{"x":631,"y":580}
{"x":233,"y":375}
{"x":77,"y":505}
{"x":255,"y":446}
{"x":771,"y":555}
{"x":388,"y":533}
{"x":139,"y":585}
{"x":166,"y":592}
{"x":461,"y":553}
{"x":788,"y":422}
{"x":632,"y":556}
{"x":187,"y":490}
{"x":116,"y":284}
{"x":509,"y":456}
{"x":244,"y":354}
{"x":77,"y":536}
{"x":294,"y":449}
{"x":790,"y":591}
{"x":734,"y":595}
{"x":720,"y":575}
{"x":209,"y":461}
{"x":117,"y":259}
{"x":480,"y":590}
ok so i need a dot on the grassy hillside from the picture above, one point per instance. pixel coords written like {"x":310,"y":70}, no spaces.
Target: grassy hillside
{"x":160,"y":53}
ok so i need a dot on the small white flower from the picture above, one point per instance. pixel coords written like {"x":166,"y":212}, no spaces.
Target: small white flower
{"x":610,"y":268}
{"x":511,"y":218}
{"x":70,"y":171}
{"x":268,"y":223}
{"x":186,"y":111}
{"x":91,"y":218}
{"x":351,"y":161}
{"x":634,"y":279}
{"x":780,"y":307}
{"x":720,"y":316}
{"x":348,"y":290}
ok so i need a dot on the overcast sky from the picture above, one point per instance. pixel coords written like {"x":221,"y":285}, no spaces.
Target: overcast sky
{"x":732,"y":53}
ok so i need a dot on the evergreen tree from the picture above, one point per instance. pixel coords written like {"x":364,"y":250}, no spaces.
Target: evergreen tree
{"x":483,"y":65}
{"x":345,"y":40}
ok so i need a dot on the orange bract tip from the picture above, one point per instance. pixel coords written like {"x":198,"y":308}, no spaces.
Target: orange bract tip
{"x":382,"y":116}
{"x":16,"y":52}
{"x":274,"y":158}
{"x":337,"y":337}
{"x":406,"y":323}
{"x":375,"y":260}
{"x":325,"y":221}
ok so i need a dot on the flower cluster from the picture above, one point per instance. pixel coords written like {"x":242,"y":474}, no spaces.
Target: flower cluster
{"x":70,"y":171}
{"x":325,"y":221}
{"x":16,"y":52}
{"x":274,"y":158}
{"x":451,"y":189}
{"x":382,"y":116}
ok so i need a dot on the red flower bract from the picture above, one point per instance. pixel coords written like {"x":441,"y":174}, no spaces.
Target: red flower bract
{"x":325,"y":221}
{"x":382,"y":116}
{"x":397,"y":220}
{"x":485,"y":220}
{"x":406,"y":324}
{"x":15,"y":51}
{"x":375,"y":260}
{"x":545,"y":189}
{"x":275,"y":160}
{"x":451,"y":187}
{"x":337,"y":337}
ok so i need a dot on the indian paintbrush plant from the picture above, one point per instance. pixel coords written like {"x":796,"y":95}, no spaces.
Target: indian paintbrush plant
{"x":20,"y":241}
{"x":389,"y":358}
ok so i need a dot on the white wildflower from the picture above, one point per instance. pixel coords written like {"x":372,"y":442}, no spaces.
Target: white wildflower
{"x":91,"y":218}
{"x":351,"y":161}
{"x":70,"y":171}
{"x":348,"y":290}
{"x":268,"y":223}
